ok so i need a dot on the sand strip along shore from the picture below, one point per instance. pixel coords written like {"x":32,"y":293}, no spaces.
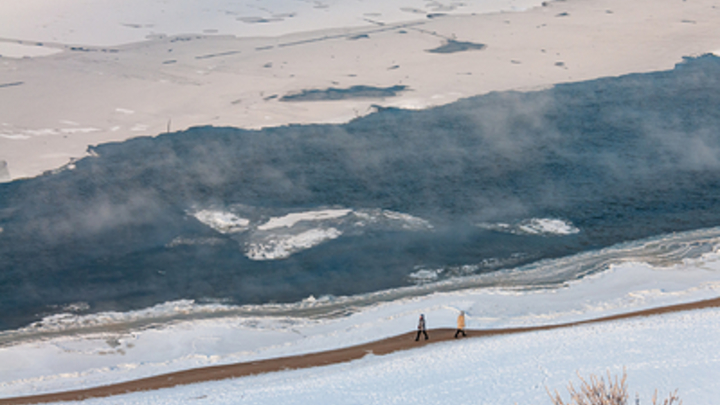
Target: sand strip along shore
{"x":381,"y":347}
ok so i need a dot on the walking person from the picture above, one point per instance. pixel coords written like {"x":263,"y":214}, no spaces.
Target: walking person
{"x":461,"y":325}
{"x":421,"y":328}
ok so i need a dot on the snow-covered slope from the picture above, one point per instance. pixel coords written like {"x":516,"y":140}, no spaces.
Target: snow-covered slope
{"x":678,"y":351}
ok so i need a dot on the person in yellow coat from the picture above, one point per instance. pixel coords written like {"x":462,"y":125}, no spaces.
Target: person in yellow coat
{"x":461,"y":325}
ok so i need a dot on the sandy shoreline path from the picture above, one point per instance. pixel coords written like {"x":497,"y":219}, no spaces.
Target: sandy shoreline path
{"x":381,"y":347}
{"x":53,"y":107}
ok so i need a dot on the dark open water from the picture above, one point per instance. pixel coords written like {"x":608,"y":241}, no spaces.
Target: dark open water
{"x":615,"y":159}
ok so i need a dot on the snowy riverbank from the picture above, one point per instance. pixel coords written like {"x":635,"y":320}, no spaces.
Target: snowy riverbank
{"x":669,"y":352}
{"x":72,"y":360}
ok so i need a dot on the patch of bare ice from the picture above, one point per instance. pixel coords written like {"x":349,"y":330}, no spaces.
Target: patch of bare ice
{"x":289,"y":220}
{"x":221,"y":221}
{"x":15,"y":50}
{"x":535,"y":226}
{"x":281,"y":236}
{"x":280,"y":246}
{"x":548,"y":226}
{"x":425,"y":275}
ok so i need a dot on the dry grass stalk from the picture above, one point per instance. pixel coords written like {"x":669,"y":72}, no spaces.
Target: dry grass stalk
{"x":596,"y":391}
{"x":672,"y":399}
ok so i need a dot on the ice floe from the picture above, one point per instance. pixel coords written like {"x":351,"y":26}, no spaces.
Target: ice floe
{"x":289,"y":220}
{"x":222,"y":221}
{"x":425,"y":275}
{"x":390,"y":218}
{"x":538,"y":226}
{"x":274,"y":237}
{"x":280,"y":246}
{"x":535,"y":226}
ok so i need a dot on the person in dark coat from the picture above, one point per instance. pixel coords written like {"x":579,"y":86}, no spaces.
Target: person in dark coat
{"x":421,"y":328}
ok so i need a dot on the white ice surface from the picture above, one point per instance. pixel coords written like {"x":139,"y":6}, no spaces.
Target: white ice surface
{"x":280,"y":237}
{"x":407,"y":221}
{"x":15,"y":50}
{"x":222,"y":221}
{"x":282,"y":246}
{"x":535,"y":226}
{"x":289,"y":220}
{"x":548,"y":226}
{"x":70,"y":362}
{"x":114,"y":22}
{"x":677,"y":351}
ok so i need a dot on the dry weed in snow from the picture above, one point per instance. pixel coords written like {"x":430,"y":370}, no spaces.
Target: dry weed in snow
{"x":596,"y":391}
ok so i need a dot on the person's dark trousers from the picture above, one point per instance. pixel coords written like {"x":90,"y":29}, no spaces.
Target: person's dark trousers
{"x":418,"y":335}
{"x":459,"y":331}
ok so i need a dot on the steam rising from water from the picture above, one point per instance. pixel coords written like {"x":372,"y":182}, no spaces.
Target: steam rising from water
{"x":576,"y":168}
